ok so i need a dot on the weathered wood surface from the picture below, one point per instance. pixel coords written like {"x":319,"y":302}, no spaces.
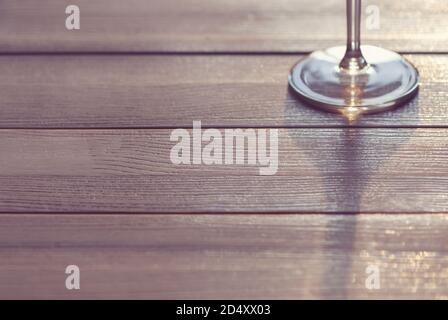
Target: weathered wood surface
{"x":319,"y":170}
{"x":215,"y":25}
{"x":224,"y":256}
{"x":98,"y":91}
{"x":126,"y":106}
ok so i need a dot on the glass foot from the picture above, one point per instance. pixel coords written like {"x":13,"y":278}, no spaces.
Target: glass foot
{"x":386,"y":82}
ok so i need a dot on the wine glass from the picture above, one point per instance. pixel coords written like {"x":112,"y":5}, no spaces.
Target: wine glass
{"x":354,"y":79}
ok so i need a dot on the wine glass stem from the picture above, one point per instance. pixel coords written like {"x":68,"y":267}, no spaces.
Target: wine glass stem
{"x":353,"y":59}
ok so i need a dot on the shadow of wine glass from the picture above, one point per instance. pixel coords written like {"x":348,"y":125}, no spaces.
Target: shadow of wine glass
{"x":347,"y":157}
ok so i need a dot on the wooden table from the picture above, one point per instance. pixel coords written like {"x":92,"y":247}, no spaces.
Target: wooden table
{"x":86,"y":178}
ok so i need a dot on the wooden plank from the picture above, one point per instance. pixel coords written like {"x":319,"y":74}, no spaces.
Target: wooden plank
{"x":216,"y":26}
{"x":319,"y":170}
{"x":86,"y":91}
{"x":224,"y":256}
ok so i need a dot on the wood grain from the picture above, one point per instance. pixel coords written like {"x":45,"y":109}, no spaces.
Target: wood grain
{"x":54,"y":183}
{"x":153,"y":91}
{"x":224,"y":256}
{"x":215,"y":26}
{"x":319,"y":170}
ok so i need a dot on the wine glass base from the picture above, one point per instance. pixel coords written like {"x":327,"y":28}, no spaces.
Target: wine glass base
{"x":387,"y":82}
